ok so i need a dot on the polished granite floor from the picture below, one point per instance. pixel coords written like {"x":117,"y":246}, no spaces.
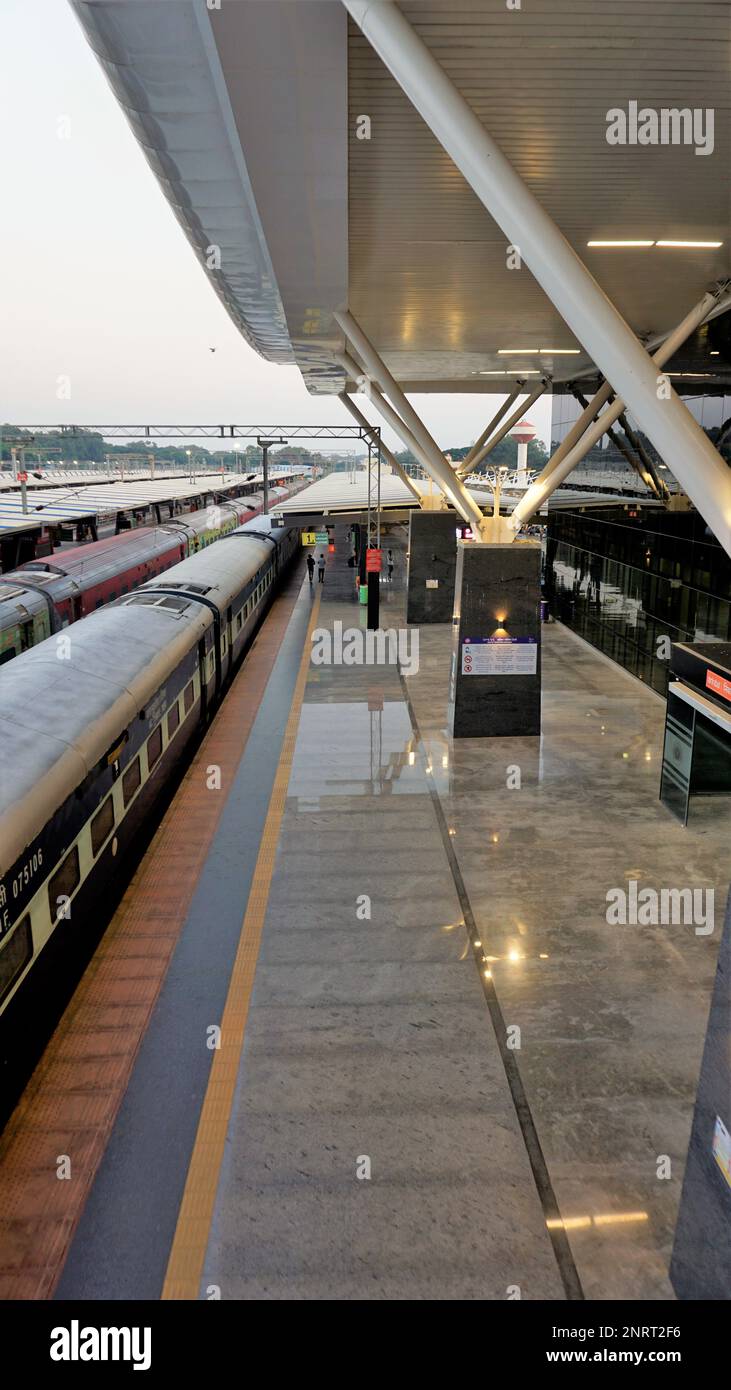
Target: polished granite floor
{"x":376,"y":1043}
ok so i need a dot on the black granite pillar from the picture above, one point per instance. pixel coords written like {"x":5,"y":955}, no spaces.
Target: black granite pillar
{"x":495,"y":685}
{"x":432,"y":564}
{"x":701,"y":1262}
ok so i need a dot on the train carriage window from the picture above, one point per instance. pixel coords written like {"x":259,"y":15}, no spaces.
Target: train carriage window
{"x":16,"y":950}
{"x":65,"y":880}
{"x":131,"y":781}
{"x":188,"y":697}
{"x":102,"y":825}
{"x":239,"y":621}
{"x":173,"y":719}
{"x":154,"y":746}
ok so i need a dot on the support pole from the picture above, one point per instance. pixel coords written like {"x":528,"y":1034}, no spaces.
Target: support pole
{"x":506,"y":428}
{"x":571,"y":287}
{"x":265,"y":476}
{"x":389,"y":457}
{"x":390,"y":415}
{"x":639,"y":461}
{"x":552,"y":475}
{"x":578,"y":429}
{"x":469,"y":459}
{"x":647,"y":463}
{"x":437,"y":466}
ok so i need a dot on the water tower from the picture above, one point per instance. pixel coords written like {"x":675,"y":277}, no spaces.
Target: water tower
{"x":524,"y":431}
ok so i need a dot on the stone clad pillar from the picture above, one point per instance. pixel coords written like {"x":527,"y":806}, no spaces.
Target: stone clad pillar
{"x":432,"y":564}
{"x":495,"y":682}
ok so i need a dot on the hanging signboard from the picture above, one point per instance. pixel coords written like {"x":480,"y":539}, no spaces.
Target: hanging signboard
{"x":499,"y":656}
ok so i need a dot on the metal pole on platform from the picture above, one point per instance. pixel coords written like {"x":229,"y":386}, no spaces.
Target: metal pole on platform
{"x":373,"y":578}
{"x":265,"y":445}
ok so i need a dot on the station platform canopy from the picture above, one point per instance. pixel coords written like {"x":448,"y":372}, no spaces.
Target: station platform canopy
{"x":346,"y":492}
{"x":59,"y":506}
{"x":281,"y":138}
{"x":410,"y":196}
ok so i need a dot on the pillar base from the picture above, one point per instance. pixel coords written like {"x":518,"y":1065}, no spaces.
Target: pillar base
{"x":495,"y":683}
{"x":432,"y":565}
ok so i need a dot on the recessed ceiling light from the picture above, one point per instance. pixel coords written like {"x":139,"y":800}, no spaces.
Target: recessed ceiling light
{"x":537,"y":352}
{"x":620,"y":243}
{"x":524,"y":371}
{"x":561,"y":352}
{"x":715,"y":354}
{"x":520,"y":352}
{"x":704,"y":245}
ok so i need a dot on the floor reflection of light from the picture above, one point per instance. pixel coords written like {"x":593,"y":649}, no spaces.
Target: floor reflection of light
{"x":445,"y":760}
{"x":412,"y":759}
{"x":514,"y":956}
{"x":621,"y":1218}
{"x":487,"y":974}
{"x":575,"y":1223}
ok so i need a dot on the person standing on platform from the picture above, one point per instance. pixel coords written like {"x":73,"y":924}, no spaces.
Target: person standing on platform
{"x":389,"y":561}
{"x":310,"y":566}
{"x":321,"y":567}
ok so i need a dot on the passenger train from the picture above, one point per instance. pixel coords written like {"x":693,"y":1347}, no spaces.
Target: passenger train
{"x":43,"y":596}
{"x":95,"y":720}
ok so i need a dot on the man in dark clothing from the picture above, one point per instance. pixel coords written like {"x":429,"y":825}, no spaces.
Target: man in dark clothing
{"x":321,"y":567}
{"x":390,"y":565}
{"x":310,"y":566}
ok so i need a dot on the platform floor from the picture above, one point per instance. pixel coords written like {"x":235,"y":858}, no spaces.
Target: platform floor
{"x":375,"y":1038}
{"x":368,"y":1127}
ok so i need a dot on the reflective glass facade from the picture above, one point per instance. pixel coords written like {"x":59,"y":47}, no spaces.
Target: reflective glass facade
{"x":625,"y":582}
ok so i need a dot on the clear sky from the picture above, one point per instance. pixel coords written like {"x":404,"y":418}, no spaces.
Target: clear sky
{"x":99,"y":284}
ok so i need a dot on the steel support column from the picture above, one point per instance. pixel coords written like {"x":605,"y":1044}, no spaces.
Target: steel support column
{"x":468,"y":461}
{"x":403,"y":418}
{"x":487,"y":448}
{"x":553,"y":474}
{"x":571,"y":287}
{"x":389,"y":457}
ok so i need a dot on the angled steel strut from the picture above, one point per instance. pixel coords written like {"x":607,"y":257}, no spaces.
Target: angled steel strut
{"x":571,"y":287}
{"x":430,"y":453}
{"x":505,"y":428}
{"x":554,"y":474}
{"x":389,"y":457}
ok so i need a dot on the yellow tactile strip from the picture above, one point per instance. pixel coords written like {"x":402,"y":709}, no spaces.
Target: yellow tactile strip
{"x":185,"y":1267}
{"x":71,"y":1101}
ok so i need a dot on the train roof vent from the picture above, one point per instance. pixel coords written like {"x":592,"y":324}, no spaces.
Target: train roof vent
{"x":189,"y":588}
{"x":153,"y":600}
